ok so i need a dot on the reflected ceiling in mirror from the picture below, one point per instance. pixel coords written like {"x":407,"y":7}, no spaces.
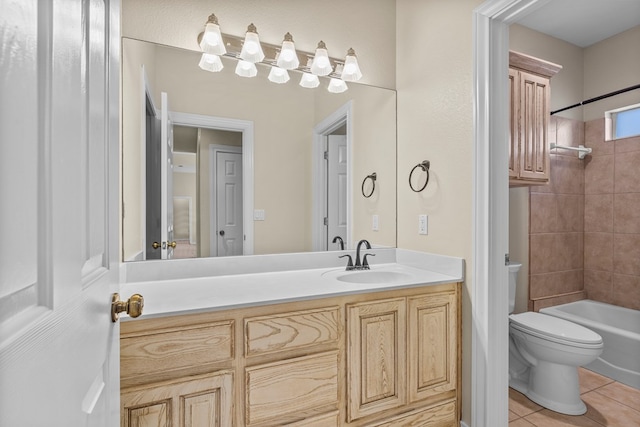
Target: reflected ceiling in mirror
{"x":291,"y":129}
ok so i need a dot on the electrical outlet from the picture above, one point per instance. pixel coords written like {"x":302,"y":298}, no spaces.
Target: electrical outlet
{"x":376,"y":223}
{"x":423,"y":224}
{"x":258,"y":215}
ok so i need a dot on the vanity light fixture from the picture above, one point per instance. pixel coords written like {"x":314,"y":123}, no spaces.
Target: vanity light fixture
{"x":288,"y":58}
{"x":351,"y":70}
{"x":337,"y":85}
{"x":210,"y":62}
{"x":246,"y":69}
{"x":321,"y":66}
{"x":211,"y":41}
{"x":251,"y":49}
{"x":278,"y":75}
{"x":309,"y":80}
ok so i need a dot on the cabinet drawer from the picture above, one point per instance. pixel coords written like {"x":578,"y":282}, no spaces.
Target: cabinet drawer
{"x":168,"y":349}
{"x":443,"y":415}
{"x":281,"y":389}
{"x":290,"y":331}
{"x":326,"y":420}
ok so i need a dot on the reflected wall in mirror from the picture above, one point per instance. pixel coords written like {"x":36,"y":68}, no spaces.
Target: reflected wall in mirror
{"x":274,"y":136}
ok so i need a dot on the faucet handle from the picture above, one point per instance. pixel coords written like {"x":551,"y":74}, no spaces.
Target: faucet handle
{"x":349,"y":262}
{"x":365,"y":264}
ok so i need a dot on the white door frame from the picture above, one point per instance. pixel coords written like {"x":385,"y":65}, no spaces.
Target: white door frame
{"x":232,"y":125}
{"x":490,"y":333}
{"x":214,"y":149}
{"x":342,"y":116}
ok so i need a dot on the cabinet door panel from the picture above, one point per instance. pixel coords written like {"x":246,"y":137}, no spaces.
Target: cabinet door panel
{"x":202,"y":401}
{"x":534,"y":119}
{"x":514,"y":123}
{"x":443,"y":415}
{"x":432,"y":345}
{"x":376,"y":357}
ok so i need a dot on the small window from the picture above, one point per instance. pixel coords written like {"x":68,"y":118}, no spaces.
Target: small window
{"x":623,"y":122}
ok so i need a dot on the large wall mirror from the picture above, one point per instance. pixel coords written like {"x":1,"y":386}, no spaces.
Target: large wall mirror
{"x":226,"y":165}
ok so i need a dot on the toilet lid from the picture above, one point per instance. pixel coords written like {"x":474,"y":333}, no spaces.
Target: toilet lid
{"x":554,"y":328}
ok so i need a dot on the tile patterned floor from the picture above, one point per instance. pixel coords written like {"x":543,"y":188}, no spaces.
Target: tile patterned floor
{"x":609,"y":404}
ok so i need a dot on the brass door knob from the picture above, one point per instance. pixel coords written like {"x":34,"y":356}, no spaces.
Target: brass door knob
{"x":172,"y":244}
{"x":133,"y":306}
{"x":155,"y":245}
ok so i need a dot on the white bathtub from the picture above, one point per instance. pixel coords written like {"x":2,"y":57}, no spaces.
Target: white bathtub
{"x":619,"y":328}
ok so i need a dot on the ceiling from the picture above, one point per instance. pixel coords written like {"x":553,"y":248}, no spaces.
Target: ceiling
{"x":584,"y":22}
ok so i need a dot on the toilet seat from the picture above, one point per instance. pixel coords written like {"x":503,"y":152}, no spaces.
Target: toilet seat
{"x":555,"y":330}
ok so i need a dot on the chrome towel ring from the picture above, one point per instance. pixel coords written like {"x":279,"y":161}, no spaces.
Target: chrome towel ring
{"x":373,"y":178}
{"x":425,"y":167}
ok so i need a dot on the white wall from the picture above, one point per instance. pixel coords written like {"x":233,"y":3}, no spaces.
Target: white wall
{"x":610,"y":65}
{"x":435,"y":123}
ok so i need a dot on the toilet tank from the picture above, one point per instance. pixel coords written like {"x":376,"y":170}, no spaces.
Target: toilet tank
{"x":514,"y":268}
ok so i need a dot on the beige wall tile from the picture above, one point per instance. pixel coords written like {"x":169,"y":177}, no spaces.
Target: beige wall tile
{"x":626,"y":291}
{"x":567,"y":174}
{"x":598,"y":251}
{"x":594,"y":138}
{"x":570,"y":212}
{"x":543,"y":213}
{"x":626,"y":254}
{"x":627,"y":212}
{"x":627,"y":172}
{"x":598,"y":175}
{"x":552,"y":284}
{"x":626,"y":145}
{"x":541,"y":303}
{"x":598,"y":285}
{"x":598,"y":213}
{"x":569,"y":132}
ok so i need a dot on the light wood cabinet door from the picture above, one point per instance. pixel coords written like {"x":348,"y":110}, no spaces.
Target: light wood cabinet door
{"x":432,"y":354}
{"x":534,"y":123}
{"x":514,"y":124}
{"x":202,"y":401}
{"x":376,"y":357}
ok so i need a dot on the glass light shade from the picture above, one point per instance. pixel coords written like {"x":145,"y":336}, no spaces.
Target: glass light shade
{"x":321,"y":66}
{"x":251,"y":49}
{"x":351,"y":70}
{"x":309,"y":80}
{"x":212,"y":40}
{"x":337,"y":86}
{"x":288,"y":58}
{"x":278,"y":75}
{"x":211,"y":63}
{"x":246,"y":69}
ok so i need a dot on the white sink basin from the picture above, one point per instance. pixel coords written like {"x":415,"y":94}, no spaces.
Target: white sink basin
{"x":373,"y":276}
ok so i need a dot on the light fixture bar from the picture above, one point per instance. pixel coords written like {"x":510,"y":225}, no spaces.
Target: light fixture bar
{"x":233,"y":45}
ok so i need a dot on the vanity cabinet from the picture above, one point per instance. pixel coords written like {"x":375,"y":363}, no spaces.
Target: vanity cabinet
{"x":529,"y":94}
{"x":402,"y":352}
{"x":374,"y":359}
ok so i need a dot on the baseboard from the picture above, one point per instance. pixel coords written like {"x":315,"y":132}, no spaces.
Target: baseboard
{"x":463,"y":424}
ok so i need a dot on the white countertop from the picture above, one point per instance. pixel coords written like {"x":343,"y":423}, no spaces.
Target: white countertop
{"x":236,"y":288}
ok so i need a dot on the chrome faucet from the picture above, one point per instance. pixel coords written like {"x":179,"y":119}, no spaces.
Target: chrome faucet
{"x":364,"y":265}
{"x":340,"y":242}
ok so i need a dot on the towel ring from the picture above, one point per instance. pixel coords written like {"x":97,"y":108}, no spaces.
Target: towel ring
{"x":373,"y":178}
{"x":425,"y":167}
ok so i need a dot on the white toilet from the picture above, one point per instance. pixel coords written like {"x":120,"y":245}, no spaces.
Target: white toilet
{"x":544,"y":355}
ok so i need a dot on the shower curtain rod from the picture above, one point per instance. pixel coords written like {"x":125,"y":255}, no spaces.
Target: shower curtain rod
{"x":598,"y":98}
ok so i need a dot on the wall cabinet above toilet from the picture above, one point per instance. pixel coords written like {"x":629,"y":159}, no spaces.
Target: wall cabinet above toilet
{"x":529,"y":94}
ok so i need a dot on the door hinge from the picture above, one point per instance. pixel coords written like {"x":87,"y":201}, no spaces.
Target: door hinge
{"x":326,"y":155}
{"x":506,"y":259}
{"x":326,"y":221}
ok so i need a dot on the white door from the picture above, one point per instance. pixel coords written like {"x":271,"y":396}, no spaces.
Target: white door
{"x":166,"y":179}
{"x":336,"y":190}
{"x":59,"y":127}
{"x":229,"y":203}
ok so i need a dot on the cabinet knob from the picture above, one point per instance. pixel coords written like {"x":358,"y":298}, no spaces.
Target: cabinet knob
{"x":133,"y":306}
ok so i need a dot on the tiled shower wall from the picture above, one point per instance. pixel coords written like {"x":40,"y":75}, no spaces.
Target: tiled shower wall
{"x":612,"y":218}
{"x":556,"y":223}
{"x":584,"y":227}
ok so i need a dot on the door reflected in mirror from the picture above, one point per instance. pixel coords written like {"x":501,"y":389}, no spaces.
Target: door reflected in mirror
{"x":249,"y":171}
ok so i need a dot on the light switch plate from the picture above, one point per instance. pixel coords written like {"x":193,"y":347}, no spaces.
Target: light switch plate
{"x":423,"y":224}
